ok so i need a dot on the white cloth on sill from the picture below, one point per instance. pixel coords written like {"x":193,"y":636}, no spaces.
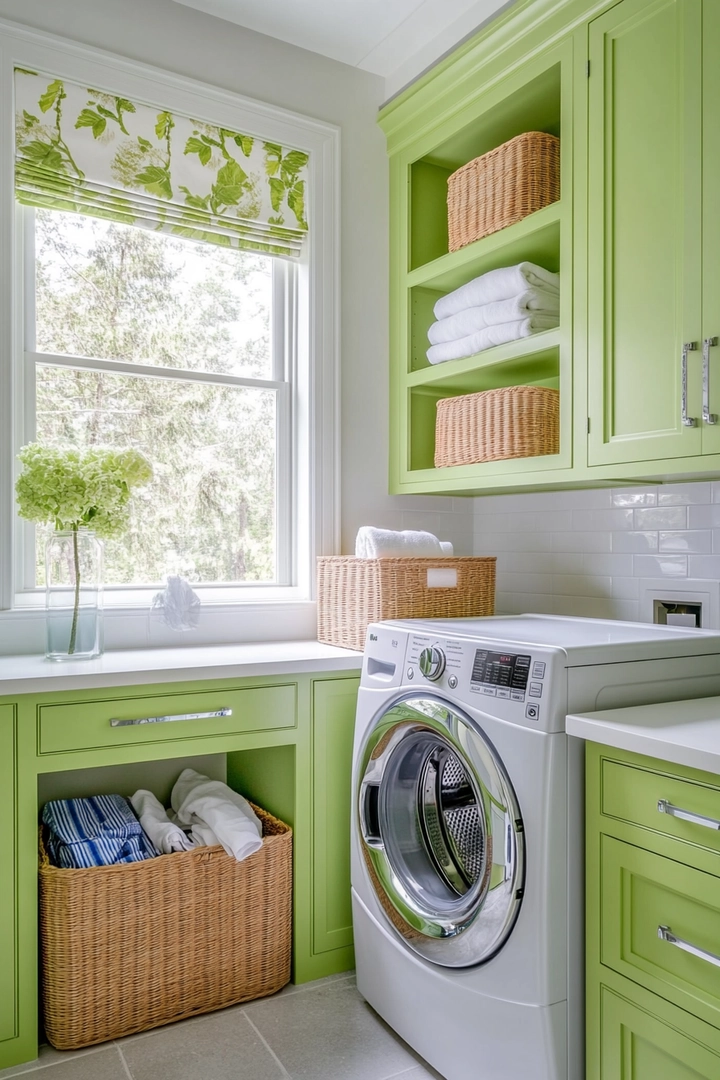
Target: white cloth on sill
{"x":490,"y":336}
{"x":199,"y":801}
{"x":372,"y":543}
{"x":501,"y":284}
{"x":524,"y":305}
{"x":165,"y":835}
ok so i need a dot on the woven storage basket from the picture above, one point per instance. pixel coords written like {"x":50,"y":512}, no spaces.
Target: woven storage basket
{"x":130,"y":947}
{"x":503,"y":187}
{"x":513,"y":422}
{"x":352,"y":593}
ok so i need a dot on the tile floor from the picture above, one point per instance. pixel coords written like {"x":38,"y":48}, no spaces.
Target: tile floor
{"x":318,"y":1031}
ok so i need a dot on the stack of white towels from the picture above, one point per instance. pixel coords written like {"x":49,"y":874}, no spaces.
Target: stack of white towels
{"x":503,"y":305}
{"x":204,"y":812}
{"x":372,"y":543}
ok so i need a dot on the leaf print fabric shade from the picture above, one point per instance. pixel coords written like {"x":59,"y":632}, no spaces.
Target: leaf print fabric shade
{"x":86,"y":151}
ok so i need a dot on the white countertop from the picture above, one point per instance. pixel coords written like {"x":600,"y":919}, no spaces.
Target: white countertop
{"x":683,"y":732}
{"x":134,"y":667}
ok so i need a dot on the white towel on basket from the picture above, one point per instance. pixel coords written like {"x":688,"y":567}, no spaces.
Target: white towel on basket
{"x":490,"y":336}
{"x":199,"y":801}
{"x":372,"y":543}
{"x":165,"y":835}
{"x":501,"y":284}
{"x":525,"y":305}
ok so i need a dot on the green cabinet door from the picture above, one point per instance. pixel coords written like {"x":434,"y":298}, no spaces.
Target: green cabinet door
{"x":644,"y":230}
{"x":636,"y":1044}
{"x":711,"y":224}
{"x":334,"y":703}
{"x":8,"y":924}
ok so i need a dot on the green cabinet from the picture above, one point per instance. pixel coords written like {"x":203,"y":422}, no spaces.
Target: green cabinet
{"x":334,"y":705}
{"x":8,"y":891}
{"x":632,"y":89}
{"x":644,"y":230}
{"x":653,"y":920}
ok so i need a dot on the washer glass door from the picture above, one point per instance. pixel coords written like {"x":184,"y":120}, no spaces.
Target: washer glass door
{"x":441,"y":832}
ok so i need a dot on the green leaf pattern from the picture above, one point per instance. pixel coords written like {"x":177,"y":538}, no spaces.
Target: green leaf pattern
{"x":91,"y":152}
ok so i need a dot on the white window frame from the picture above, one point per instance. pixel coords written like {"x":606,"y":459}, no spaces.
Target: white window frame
{"x":306,"y":317}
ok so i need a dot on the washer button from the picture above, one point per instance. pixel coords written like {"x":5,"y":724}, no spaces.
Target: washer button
{"x":452,"y":682}
{"x":517,"y":696}
{"x":490,"y":691}
{"x":532,"y":711}
{"x":410,"y":673}
{"x":503,"y":693}
{"x":538,"y":671}
{"x":535,"y":689}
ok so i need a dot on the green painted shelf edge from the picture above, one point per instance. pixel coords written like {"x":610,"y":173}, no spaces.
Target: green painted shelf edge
{"x":534,"y":351}
{"x":449,"y":271}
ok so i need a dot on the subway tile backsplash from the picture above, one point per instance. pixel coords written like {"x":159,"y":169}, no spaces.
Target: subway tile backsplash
{"x":584,"y":552}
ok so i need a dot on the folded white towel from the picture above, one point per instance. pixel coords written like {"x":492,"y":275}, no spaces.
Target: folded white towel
{"x":469,"y":321}
{"x":489,"y":336}
{"x":372,"y":543}
{"x":165,"y":835}
{"x":501,"y":284}
{"x":197,"y":800}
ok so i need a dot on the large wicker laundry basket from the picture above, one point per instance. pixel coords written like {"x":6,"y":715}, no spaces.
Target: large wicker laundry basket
{"x":502,"y":187}
{"x":130,"y":947}
{"x":512,"y":422}
{"x":352,"y":593}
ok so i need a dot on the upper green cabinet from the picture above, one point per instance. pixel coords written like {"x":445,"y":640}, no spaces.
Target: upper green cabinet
{"x":632,"y":89}
{"x":645,"y":231}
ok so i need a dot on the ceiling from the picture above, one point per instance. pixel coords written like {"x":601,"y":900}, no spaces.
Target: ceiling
{"x":379,"y":36}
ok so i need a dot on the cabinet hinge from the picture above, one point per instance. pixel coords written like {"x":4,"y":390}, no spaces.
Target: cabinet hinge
{"x":587,"y":68}
{"x":588,"y":426}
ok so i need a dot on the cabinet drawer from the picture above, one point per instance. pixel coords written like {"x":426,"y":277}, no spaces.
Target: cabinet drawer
{"x":646,"y":899}
{"x":636,"y":1044}
{"x":634,"y":795}
{"x":144,"y":718}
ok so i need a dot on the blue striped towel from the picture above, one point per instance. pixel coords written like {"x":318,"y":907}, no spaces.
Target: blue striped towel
{"x":99,"y":831}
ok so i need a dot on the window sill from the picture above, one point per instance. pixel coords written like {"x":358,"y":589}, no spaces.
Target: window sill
{"x":130,"y":627}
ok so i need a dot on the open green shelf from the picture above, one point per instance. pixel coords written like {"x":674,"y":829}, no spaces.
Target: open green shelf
{"x":529,"y":360}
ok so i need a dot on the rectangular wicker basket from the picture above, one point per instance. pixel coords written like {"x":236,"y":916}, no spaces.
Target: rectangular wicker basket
{"x":513,"y":422}
{"x":502,"y":187}
{"x":352,"y":593}
{"x":130,"y":947}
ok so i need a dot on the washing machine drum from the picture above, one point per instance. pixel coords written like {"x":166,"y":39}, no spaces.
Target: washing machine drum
{"x":441,"y":832}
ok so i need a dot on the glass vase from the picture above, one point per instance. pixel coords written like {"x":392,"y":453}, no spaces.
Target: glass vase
{"x":73,"y":595}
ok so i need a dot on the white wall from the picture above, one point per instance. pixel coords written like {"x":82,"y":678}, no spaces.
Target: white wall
{"x":584,"y":552}
{"x":200,"y":46}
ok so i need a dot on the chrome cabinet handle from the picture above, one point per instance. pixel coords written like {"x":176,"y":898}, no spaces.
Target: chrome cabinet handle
{"x":664,"y":807}
{"x":688,"y":421}
{"x":708,"y":417}
{"x":171,"y":719}
{"x":666,"y":934}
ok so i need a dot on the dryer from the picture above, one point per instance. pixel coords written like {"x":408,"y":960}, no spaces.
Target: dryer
{"x":467,"y":826}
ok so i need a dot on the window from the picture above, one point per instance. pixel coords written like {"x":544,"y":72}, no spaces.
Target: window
{"x":173,"y":347}
{"x":219,"y":363}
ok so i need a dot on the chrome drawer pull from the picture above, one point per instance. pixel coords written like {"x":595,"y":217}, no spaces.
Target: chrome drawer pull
{"x":688,"y":421}
{"x":664,"y":807}
{"x":666,"y":934}
{"x":171,"y":719}
{"x":708,"y":417}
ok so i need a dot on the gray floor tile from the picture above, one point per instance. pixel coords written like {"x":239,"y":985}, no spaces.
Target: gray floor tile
{"x":420,"y":1072}
{"x":222,"y":1046}
{"x":102,"y":1064}
{"x":49,"y":1056}
{"x":330,"y":1034}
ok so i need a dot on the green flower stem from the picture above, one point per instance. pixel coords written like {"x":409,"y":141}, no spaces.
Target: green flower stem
{"x":76,"y":608}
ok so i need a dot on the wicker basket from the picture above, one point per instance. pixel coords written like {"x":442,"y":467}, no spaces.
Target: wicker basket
{"x":513,"y":422}
{"x":352,"y":593}
{"x":130,"y":947}
{"x":503,"y":187}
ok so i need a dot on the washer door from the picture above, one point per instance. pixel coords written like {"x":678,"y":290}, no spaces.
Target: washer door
{"x":441,"y":831}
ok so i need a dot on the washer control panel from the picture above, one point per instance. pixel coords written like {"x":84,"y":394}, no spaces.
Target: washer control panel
{"x":514,"y":682}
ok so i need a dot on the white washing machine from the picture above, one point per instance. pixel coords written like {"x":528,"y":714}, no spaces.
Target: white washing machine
{"x":467,"y":853}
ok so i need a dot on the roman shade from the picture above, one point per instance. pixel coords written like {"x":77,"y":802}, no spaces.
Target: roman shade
{"x":87,"y":151}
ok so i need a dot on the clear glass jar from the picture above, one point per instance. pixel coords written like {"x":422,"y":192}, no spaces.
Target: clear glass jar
{"x":73,"y":595}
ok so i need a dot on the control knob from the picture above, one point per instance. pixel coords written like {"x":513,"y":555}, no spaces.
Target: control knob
{"x":432,"y":663}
